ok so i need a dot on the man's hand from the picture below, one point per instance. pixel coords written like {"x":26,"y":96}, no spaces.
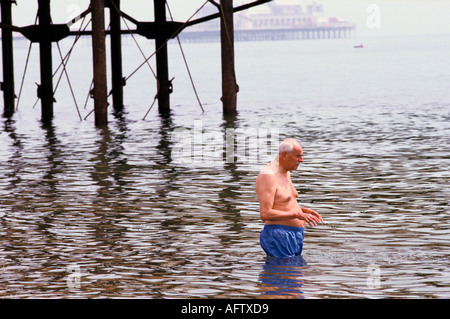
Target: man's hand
{"x":310,"y":216}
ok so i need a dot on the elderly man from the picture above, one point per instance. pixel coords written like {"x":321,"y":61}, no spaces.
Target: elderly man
{"x":284,"y":219}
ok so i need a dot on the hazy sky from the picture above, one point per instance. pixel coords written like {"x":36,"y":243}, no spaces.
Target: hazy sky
{"x":372,"y":17}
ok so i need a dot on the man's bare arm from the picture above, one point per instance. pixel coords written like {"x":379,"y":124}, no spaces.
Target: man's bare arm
{"x":314,"y":216}
{"x":265,"y":189}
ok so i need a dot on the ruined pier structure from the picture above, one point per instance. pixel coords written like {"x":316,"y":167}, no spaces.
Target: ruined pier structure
{"x":160,"y":30}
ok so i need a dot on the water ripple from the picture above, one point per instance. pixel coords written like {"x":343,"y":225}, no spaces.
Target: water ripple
{"x":99,"y":213}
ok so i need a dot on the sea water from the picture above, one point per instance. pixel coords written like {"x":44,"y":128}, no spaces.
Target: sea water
{"x":90,"y":212}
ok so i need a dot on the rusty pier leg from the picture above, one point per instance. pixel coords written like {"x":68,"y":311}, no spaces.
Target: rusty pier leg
{"x":99,"y":59}
{"x":229,"y":85}
{"x":45,"y":89}
{"x":162,"y":67}
{"x":116,"y":55}
{"x":7,"y":85}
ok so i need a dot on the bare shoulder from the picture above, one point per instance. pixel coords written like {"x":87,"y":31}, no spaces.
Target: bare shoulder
{"x":266,"y":170}
{"x":266,"y":177}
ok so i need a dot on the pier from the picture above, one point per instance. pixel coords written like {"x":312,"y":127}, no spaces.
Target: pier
{"x":160,"y":29}
{"x":304,"y":33}
{"x":273,"y":22}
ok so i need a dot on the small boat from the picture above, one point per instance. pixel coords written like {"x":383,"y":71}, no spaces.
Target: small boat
{"x":359,"y":46}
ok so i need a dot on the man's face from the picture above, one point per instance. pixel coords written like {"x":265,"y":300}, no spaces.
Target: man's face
{"x":293,"y":159}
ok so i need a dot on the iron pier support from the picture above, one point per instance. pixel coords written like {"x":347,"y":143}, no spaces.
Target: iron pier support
{"x":99,"y":59}
{"x":7,"y":86}
{"x":229,"y":85}
{"x":117,"y":80}
{"x":45,"y":89}
{"x":162,"y":67}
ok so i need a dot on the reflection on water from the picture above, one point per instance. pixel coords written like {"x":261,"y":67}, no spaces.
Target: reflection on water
{"x":282,"y":277}
{"x":108,"y":207}
{"x":89,"y":213}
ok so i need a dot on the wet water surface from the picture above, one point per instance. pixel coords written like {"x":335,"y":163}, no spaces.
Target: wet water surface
{"x":106,"y":213}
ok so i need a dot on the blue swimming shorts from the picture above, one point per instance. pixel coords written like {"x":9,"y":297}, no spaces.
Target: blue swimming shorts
{"x":282,"y":241}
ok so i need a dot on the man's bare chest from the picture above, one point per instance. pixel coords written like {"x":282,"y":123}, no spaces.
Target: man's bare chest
{"x":285,"y":191}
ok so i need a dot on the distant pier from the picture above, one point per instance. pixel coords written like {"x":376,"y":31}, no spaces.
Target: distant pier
{"x":331,"y":32}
